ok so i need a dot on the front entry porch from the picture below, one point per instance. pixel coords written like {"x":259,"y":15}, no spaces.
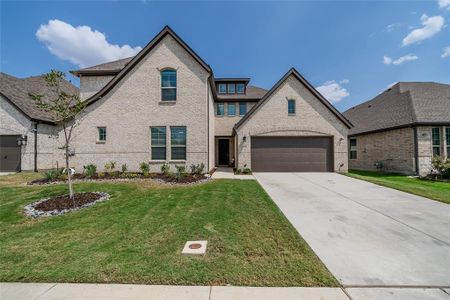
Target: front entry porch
{"x":225,"y":151}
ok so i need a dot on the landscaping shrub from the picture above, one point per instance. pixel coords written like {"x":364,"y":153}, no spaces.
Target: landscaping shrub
{"x":89,"y":170}
{"x":197,"y":169}
{"x":181,"y":172}
{"x":246,"y":171}
{"x":165,"y":168}
{"x":124,"y":168}
{"x":441,"y":166}
{"x":52,"y":174}
{"x":110,"y":166}
{"x":145,"y":168}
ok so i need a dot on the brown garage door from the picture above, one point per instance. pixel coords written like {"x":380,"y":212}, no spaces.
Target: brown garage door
{"x":292,"y":154}
{"x":9,"y":153}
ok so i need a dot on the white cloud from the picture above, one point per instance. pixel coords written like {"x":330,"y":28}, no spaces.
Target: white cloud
{"x":446,"y":52}
{"x":387,"y":60}
{"x":431,"y":26}
{"x":391,"y":27}
{"x":444,"y":4}
{"x":333,"y":91}
{"x":81,"y":45}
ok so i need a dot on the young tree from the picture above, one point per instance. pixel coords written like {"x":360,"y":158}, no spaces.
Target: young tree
{"x":65,"y":109}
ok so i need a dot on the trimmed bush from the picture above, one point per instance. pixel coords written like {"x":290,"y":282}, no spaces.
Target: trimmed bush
{"x":89,"y":170}
{"x":197,"y":169}
{"x":124,"y":168}
{"x":145,"y":168}
{"x":110,"y":166}
{"x":181,"y":172}
{"x":52,"y":174}
{"x":165,"y":168}
{"x":441,"y":166}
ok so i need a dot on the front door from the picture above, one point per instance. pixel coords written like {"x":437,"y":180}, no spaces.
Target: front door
{"x":224,"y":152}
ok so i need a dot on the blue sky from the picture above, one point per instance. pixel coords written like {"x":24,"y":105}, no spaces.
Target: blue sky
{"x":351,"y":50}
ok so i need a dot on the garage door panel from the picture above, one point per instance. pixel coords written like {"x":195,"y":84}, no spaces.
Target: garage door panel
{"x":10,"y":153}
{"x":291,"y":154}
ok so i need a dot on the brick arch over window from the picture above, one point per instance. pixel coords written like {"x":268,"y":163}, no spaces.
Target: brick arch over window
{"x":168,"y":84}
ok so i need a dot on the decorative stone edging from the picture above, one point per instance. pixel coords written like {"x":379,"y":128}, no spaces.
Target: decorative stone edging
{"x":29,"y":210}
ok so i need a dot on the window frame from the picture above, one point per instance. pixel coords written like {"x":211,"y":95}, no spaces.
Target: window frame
{"x":242,"y":104}
{"x":243,"y":88}
{"x":223,"y":109}
{"x":433,"y":145}
{"x":447,"y":140}
{"x":99,"y":134}
{"x":352,"y":148}
{"x":223,"y":85}
{"x":288,"y":107}
{"x":232,"y":104}
{"x":152,"y":145}
{"x":168,"y":87}
{"x":234,"y":88}
{"x":172,"y":145}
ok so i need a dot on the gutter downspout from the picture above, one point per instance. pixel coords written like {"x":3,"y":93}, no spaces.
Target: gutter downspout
{"x":416,"y":152}
{"x":35,"y":146}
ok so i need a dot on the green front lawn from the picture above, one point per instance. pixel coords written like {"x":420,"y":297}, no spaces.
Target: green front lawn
{"x":137,"y":237}
{"x":435,"y":190}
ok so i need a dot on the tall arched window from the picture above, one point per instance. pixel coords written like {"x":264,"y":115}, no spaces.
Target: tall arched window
{"x":168,"y":85}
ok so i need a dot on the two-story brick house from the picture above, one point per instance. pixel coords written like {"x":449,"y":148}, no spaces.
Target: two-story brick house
{"x":165,"y":105}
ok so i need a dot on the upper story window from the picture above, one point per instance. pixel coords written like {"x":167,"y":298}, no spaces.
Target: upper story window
{"x":231,"y":88}
{"x":101,"y":134}
{"x":436,"y":140}
{"x":168,"y":85}
{"x":242,"y":108}
{"x":231,"y":109}
{"x":240,"y":88}
{"x":291,"y":107}
{"x":353,"y":149}
{"x":222,"y":87}
{"x":220,"y":109}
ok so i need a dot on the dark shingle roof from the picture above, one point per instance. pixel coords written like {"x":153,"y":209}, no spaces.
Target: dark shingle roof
{"x":17,"y":91}
{"x":404,"y":104}
{"x":251,"y":93}
{"x":112,"y":66}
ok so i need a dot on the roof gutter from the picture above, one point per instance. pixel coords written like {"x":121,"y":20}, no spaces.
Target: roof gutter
{"x":401,"y":126}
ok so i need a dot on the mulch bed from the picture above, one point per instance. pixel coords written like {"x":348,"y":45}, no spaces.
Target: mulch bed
{"x":64,"y":202}
{"x":59,"y":205}
{"x":165,"y":178}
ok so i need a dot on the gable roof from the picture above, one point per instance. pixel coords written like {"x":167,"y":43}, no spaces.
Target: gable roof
{"x":297,"y":75}
{"x":136,"y":59}
{"x":404,"y":104}
{"x":109,"y":68}
{"x":17,"y":90}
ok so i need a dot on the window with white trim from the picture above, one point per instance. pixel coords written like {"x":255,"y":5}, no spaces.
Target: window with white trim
{"x":168,"y":85}
{"x":436,"y":140}
{"x":178,"y":142}
{"x":158,"y":143}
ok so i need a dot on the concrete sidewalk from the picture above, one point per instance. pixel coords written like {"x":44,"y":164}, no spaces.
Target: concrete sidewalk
{"x":86,"y":291}
{"x":47,"y":291}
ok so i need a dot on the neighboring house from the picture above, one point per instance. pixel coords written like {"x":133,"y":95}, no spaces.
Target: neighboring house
{"x":28,"y":136}
{"x":164,"y":105}
{"x":401,"y":129}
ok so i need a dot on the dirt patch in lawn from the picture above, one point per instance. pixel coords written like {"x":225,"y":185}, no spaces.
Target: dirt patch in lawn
{"x":64,"y":202}
{"x":59,"y":205}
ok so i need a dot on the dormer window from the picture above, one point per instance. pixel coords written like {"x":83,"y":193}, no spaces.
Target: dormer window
{"x":168,"y":85}
{"x":222,"y":87}
{"x":231,"y":88}
{"x":240,"y":88}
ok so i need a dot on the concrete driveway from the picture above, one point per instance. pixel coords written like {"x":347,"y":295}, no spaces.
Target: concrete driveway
{"x":366,"y":235}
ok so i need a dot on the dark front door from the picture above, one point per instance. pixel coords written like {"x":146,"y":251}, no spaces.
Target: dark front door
{"x":292,"y":154}
{"x":9,"y":153}
{"x":224,"y":152}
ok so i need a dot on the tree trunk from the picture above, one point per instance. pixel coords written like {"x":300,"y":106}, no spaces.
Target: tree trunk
{"x":69,"y":177}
